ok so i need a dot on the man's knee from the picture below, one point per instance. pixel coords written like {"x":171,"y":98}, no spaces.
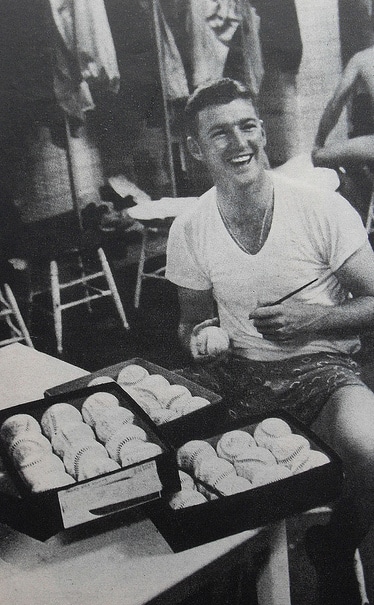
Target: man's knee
{"x":347,"y":420}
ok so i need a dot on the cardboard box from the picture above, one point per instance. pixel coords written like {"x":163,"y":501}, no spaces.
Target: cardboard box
{"x":44,"y":514}
{"x":113,"y":371}
{"x":189,"y":527}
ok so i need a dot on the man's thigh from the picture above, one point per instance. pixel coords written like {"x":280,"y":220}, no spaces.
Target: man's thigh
{"x":346,"y":422}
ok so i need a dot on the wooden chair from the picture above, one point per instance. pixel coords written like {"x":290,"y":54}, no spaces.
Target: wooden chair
{"x":86,"y":287}
{"x":10,"y":313}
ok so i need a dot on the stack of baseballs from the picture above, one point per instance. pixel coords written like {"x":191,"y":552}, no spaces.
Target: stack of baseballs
{"x":241,"y":461}
{"x":161,"y":400}
{"x":32,"y":453}
{"x":71,"y":445}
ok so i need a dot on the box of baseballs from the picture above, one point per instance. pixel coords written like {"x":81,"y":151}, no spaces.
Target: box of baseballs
{"x":163,"y":394}
{"x":80,"y":457}
{"x":245,"y":475}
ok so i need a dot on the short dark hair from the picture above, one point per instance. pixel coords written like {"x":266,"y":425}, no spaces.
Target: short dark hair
{"x":215,"y":92}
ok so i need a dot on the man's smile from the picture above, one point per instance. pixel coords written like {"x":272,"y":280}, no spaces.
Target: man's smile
{"x":241,"y":160}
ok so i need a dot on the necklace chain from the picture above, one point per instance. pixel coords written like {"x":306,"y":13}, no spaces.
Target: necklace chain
{"x":263,"y":225}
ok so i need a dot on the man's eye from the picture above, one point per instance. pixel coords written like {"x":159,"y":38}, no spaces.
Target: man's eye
{"x":249,"y":127}
{"x":218,"y":134}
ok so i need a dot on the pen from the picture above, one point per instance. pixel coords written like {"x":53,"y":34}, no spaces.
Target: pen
{"x":278,"y":302}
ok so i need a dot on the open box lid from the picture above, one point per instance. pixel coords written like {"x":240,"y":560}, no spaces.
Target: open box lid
{"x":195,"y":525}
{"x":46,"y":513}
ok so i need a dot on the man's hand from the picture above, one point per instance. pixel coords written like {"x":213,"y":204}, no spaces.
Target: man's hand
{"x":199,"y":345}
{"x":289,"y":321}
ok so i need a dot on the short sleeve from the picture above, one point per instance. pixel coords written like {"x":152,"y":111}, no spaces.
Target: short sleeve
{"x":345,"y":232}
{"x":184,"y":265}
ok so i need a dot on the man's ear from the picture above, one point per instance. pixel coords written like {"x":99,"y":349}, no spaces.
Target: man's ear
{"x":263,"y":133}
{"x":194,"y":148}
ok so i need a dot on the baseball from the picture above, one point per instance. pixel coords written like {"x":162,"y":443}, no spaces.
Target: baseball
{"x":290,"y":451}
{"x":176,"y":394}
{"x":95,"y":404}
{"x":212,"y":470}
{"x":254,"y":458}
{"x":17,"y":423}
{"x":142,"y":452}
{"x":270,"y":474}
{"x":46,"y":475}
{"x":88,"y":467}
{"x":57,"y":415}
{"x":145,"y":399}
{"x":33,"y":470}
{"x":100,"y":380}
{"x":161,"y":415}
{"x":207,"y":491}
{"x":188,"y":453}
{"x":78,"y":450}
{"x":233,"y":443}
{"x":314,"y":459}
{"x":269,"y":429}
{"x":132,"y":374}
{"x":125,"y":434}
{"x":111,"y":420}
{"x":212,"y":341}
{"x":232,"y":485}
{"x":22,"y":448}
{"x":71,"y":433}
{"x":186,"y":498}
{"x":186,"y":480}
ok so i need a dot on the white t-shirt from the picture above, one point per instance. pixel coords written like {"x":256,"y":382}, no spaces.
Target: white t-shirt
{"x":313,"y":233}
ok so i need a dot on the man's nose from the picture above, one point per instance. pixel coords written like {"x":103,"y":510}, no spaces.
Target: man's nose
{"x":239,"y":138}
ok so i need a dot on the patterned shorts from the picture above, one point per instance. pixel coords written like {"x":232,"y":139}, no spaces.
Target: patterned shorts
{"x":301,"y":385}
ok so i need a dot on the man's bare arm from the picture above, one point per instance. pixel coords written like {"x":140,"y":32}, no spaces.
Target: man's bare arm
{"x":295,"y":319}
{"x":335,"y":106}
{"x":196,"y":306}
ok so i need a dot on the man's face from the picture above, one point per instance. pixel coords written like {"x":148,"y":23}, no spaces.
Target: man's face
{"x":231,"y":142}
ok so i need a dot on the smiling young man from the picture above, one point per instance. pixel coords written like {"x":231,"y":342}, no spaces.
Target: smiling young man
{"x":252,"y":239}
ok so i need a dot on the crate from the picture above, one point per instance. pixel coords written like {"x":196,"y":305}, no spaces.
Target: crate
{"x":44,"y":514}
{"x":172,"y":377}
{"x":259,"y":506}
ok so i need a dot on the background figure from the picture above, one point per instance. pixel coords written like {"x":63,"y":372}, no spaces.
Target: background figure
{"x":355,"y":91}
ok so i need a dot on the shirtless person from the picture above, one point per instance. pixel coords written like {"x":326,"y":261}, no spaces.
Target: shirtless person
{"x":252,"y":238}
{"x":357,"y":79}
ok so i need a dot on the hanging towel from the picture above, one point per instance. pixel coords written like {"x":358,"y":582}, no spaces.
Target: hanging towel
{"x":85,"y":54}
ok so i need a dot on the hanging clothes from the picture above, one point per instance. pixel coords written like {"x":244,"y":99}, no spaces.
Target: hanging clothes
{"x":210,"y":27}
{"x":280,"y":33}
{"x":244,"y":60}
{"x":85,"y":54}
{"x":174,"y":74}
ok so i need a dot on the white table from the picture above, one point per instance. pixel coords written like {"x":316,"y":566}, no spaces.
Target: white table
{"x":127,"y":565}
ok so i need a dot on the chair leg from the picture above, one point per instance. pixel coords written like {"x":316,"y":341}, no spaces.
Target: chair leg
{"x":17,"y":314}
{"x":139,"y":278}
{"x":56,"y":301}
{"x":83,"y":275}
{"x":112,"y":286}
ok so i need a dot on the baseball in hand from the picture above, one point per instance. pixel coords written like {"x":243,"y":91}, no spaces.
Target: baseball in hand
{"x":212,"y":341}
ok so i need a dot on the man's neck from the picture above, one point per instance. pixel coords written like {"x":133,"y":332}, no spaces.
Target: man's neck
{"x":248,"y":200}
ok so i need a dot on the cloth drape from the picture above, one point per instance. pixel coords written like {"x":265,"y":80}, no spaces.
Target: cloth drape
{"x":211,"y":25}
{"x":85,"y":54}
{"x":174,"y":73}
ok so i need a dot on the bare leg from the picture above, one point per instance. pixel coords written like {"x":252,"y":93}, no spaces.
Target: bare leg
{"x":346,"y":423}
